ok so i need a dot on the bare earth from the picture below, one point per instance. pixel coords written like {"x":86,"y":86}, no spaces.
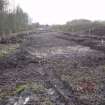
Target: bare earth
{"x":57,"y":63}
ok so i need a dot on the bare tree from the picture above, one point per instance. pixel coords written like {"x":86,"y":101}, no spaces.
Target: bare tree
{"x":3,"y":3}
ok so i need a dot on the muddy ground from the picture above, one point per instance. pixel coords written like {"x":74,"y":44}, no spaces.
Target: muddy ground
{"x":49,"y":70}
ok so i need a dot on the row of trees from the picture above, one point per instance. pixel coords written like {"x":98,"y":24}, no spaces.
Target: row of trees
{"x":12,"y":20}
{"x":83,"y":26}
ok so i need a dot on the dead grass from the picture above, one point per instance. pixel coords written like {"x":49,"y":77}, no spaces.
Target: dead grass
{"x":6,"y":49}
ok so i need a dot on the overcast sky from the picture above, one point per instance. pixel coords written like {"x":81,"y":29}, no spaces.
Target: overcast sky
{"x":60,"y":11}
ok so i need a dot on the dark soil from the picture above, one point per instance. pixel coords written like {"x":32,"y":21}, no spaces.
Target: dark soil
{"x":58,"y":63}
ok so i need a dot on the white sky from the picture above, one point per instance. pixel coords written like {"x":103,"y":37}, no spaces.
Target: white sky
{"x":61,"y":11}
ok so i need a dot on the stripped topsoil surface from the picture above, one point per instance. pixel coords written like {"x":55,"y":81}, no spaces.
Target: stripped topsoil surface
{"x":48,"y":70}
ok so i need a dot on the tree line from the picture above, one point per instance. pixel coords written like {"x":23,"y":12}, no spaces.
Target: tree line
{"x":83,"y":26}
{"x":12,"y":20}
